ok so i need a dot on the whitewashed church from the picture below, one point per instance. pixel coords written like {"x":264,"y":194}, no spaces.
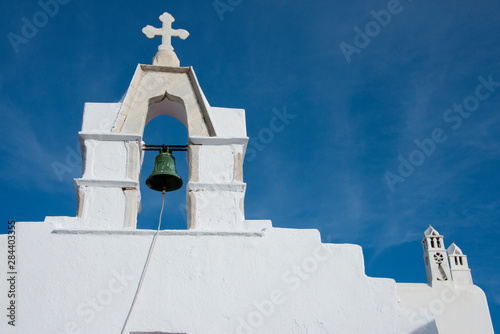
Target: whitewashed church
{"x":96,"y":273}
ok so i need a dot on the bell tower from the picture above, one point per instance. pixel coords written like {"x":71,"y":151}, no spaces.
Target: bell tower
{"x":458,"y":264}
{"x":435,"y":256}
{"x":112,"y":148}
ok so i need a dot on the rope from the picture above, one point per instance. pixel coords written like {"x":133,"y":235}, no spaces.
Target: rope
{"x":152,"y":247}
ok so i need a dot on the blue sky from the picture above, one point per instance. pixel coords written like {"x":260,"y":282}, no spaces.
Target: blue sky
{"x":359,"y":106}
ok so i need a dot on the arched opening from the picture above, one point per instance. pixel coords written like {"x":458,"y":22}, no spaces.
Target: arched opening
{"x":165,"y":124}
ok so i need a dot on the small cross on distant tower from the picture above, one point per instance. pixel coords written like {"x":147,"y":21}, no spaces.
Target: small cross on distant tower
{"x":165,"y":55}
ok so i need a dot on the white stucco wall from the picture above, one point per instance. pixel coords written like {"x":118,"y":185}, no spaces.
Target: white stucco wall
{"x":458,"y":309}
{"x":275,"y":281}
{"x":225,"y":275}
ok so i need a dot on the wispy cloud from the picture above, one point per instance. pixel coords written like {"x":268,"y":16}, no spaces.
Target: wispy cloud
{"x":26,"y":161}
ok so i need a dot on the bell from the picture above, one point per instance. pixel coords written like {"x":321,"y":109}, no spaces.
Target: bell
{"x":164,"y":176}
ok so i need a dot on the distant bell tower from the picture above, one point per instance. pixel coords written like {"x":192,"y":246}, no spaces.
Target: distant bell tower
{"x":436,"y":259}
{"x":460,"y":271}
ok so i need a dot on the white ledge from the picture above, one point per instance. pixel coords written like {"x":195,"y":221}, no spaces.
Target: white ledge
{"x":107,"y":183}
{"x":160,"y":68}
{"x":218,"y":140}
{"x":192,"y":233}
{"x":200,"y":186}
{"x":60,"y":220}
{"x":109,"y":136}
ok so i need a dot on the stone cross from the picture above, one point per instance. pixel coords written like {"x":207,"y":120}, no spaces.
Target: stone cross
{"x":166,"y":32}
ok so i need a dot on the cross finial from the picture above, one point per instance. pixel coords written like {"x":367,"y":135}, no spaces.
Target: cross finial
{"x":165,"y":55}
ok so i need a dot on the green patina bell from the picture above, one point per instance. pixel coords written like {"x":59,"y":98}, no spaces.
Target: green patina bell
{"x":164,"y":176}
